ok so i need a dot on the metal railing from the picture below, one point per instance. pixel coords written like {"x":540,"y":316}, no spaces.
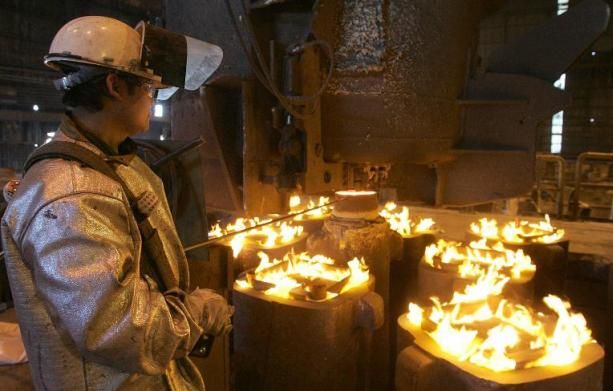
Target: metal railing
{"x":556,"y":186}
{"x":575,"y":197}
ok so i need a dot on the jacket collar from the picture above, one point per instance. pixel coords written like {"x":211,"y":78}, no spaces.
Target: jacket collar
{"x":70,"y":129}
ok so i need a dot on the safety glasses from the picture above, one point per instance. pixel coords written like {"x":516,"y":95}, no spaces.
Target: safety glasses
{"x":149,"y":89}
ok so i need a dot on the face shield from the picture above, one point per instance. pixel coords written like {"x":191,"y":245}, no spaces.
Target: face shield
{"x":181,"y":61}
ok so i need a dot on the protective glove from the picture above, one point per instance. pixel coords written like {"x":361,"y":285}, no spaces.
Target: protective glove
{"x":210,"y":310}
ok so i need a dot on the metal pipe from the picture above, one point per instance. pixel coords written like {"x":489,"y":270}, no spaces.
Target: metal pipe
{"x":574,"y":203}
{"x":192,"y":144}
{"x":291,"y":215}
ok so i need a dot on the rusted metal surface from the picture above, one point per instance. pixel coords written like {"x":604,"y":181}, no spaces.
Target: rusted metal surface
{"x":214,"y":273}
{"x":422,"y":366}
{"x":345,"y":239}
{"x":403,"y":281}
{"x":417,"y":370}
{"x":283,"y":344}
{"x":550,"y":260}
{"x":248,"y":258}
{"x":442,"y":284}
{"x":405,"y":90}
{"x":391,"y":81}
{"x":404,"y":271}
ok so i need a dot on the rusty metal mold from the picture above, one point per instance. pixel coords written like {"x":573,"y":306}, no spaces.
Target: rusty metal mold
{"x":424,"y":366}
{"x":345,"y":239}
{"x":404,"y":270}
{"x":448,"y":267}
{"x":403,"y":280}
{"x":285,"y":344}
{"x":442,"y":284}
{"x":248,"y":257}
{"x":551,"y":262}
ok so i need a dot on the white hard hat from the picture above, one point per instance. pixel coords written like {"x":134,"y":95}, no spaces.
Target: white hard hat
{"x":91,"y":45}
{"x":98,"y":41}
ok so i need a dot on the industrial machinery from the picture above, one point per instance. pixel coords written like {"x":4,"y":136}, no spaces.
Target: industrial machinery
{"x":318,"y":96}
{"x":314,"y":96}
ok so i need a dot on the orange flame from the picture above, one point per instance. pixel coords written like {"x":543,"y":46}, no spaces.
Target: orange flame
{"x":299,"y":270}
{"x":399,"y":220}
{"x":503,"y":336}
{"x":518,"y":232}
{"x":297,"y":205}
{"x":268,"y":236}
{"x":474,"y":260}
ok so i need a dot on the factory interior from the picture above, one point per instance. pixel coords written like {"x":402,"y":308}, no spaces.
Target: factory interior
{"x":403,"y":195}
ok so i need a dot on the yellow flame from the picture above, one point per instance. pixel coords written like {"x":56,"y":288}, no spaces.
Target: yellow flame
{"x":473,"y":260}
{"x":491,"y":353}
{"x":518,"y":232}
{"x":416,"y":314}
{"x":359,"y":273}
{"x":294,"y":201}
{"x":554,"y":237}
{"x":355,"y":193}
{"x":296,"y":270}
{"x":458,"y":340}
{"x":237,"y":243}
{"x":459,"y":325}
{"x":297,"y":205}
{"x":485,"y":228}
{"x":268,"y":236}
{"x":400,"y":221}
{"x":569,"y":335}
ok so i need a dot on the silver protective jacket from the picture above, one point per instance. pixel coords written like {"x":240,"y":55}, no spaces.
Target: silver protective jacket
{"x":90,"y":302}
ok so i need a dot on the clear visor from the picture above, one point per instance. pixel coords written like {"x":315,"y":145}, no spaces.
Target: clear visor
{"x":181,"y":61}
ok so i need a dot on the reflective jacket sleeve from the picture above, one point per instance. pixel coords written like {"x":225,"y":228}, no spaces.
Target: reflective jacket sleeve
{"x":85,"y":264}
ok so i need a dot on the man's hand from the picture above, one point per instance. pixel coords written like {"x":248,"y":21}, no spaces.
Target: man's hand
{"x":211,"y":311}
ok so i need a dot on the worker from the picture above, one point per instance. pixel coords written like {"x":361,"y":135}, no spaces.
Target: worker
{"x":98,"y":272}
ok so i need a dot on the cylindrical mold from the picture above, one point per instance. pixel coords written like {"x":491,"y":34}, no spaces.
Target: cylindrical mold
{"x":403,"y":279}
{"x":346,"y":239}
{"x":248,"y":257}
{"x":421,"y":366}
{"x":283,"y":344}
{"x":443,"y":283}
{"x":404,"y":272}
{"x":310,"y":224}
{"x":550,"y":260}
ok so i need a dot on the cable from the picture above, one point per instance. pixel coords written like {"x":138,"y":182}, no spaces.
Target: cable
{"x":262,"y":74}
{"x":327,"y":49}
{"x":263,"y":78}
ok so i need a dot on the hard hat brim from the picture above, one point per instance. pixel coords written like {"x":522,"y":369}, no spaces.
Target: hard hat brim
{"x":60,"y":62}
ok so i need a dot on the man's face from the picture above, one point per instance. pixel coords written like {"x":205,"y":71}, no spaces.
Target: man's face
{"x":134,"y":109}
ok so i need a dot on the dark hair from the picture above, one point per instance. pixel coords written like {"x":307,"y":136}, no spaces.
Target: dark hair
{"x":89,"y":94}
